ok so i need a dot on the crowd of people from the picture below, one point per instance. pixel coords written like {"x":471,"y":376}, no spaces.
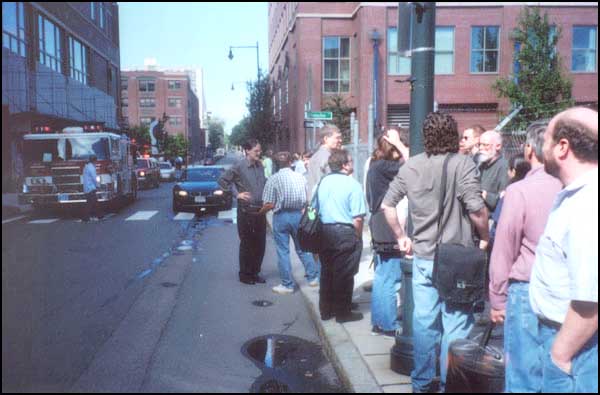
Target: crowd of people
{"x":534,"y":214}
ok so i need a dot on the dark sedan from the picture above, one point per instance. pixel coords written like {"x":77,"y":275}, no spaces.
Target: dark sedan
{"x":196,"y":190}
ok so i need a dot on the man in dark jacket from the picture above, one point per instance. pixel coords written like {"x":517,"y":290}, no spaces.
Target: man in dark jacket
{"x":493,"y":168}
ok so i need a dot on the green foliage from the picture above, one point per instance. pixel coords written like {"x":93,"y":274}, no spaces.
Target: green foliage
{"x":341,"y":115}
{"x":140,"y":134}
{"x":216,"y":133}
{"x":239,"y":133}
{"x":260,"y":125}
{"x":175,"y":146}
{"x":540,"y":86}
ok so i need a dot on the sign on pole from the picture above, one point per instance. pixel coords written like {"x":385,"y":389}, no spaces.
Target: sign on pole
{"x":322,"y":115}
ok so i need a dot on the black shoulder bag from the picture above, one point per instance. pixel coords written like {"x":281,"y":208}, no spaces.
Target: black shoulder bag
{"x":383,"y":239}
{"x":458,"y":271}
{"x":309,"y":230}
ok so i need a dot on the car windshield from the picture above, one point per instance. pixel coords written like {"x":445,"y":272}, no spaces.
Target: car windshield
{"x":143,"y":163}
{"x":166,"y":166}
{"x":75,"y":148}
{"x":203,"y":174}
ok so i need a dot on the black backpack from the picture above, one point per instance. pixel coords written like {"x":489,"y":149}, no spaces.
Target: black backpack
{"x":309,"y":230}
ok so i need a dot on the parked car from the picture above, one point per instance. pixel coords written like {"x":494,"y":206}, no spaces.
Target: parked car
{"x":198,"y":190}
{"x":167,"y":171}
{"x":148,"y":172}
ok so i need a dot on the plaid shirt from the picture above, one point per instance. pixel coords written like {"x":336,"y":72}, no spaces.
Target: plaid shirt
{"x":286,"y":190}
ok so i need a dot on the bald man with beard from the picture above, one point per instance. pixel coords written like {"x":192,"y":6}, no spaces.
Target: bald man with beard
{"x":493,"y":168}
{"x":564,"y":279}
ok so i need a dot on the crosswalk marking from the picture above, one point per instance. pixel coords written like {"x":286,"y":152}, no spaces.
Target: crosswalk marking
{"x":44,"y":221}
{"x":231,"y":214}
{"x":142,"y":216}
{"x":184,"y":216}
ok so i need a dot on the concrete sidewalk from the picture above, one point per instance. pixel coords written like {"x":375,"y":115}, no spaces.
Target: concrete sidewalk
{"x":361,"y":360}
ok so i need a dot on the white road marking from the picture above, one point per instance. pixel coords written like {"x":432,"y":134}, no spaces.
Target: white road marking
{"x":43,"y":221}
{"x":142,"y":216}
{"x":6,"y":221}
{"x":230,"y":214}
{"x":184,"y":216}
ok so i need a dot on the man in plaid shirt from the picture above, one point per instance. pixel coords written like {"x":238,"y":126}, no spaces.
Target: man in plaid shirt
{"x":285,"y":194}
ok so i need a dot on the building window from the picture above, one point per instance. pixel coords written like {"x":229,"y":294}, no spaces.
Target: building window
{"x":49,"y":49}
{"x":444,"y":50}
{"x":583,"y":57}
{"x":174,"y":102}
{"x":78,"y":61}
{"x":174,"y":84}
{"x":93,"y":10}
{"x":336,"y":64}
{"x":124,"y":102}
{"x":397,"y":65}
{"x":287,"y":89}
{"x":124,"y":84}
{"x":175,"y":121}
{"x":101,"y":15}
{"x":147,"y":85}
{"x":145,"y":121}
{"x":147,"y":102}
{"x":13,"y":27}
{"x":485,"y":49}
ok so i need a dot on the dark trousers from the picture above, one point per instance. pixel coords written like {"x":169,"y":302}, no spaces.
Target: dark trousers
{"x":252,"y":230}
{"x":91,"y":207}
{"x":340,"y":258}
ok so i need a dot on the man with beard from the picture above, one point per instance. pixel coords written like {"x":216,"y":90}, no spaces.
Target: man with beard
{"x":564,"y":279}
{"x":493,"y":168}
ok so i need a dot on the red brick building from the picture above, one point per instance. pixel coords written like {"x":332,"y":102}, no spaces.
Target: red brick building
{"x":320,"y":50}
{"x":148,"y":94}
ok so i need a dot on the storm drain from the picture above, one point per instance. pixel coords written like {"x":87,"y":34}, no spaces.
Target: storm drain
{"x":288,"y":364}
{"x":262,"y":303}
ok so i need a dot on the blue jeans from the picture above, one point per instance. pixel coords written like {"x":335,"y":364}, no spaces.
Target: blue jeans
{"x":384,"y":311}
{"x":435,"y":324}
{"x":285,"y":224}
{"x":584,"y":370}
{"x":522,"y":342}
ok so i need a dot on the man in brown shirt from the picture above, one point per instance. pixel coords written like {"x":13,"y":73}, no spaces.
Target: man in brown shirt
{"x":463,"y":209}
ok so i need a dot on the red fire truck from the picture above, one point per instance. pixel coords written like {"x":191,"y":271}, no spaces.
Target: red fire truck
{"x":54,"y":163}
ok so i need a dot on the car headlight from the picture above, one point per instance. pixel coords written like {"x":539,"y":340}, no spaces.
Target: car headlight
{"x":218,"y":192}
{"x":182,"y":193}
{"x":142,"y":174}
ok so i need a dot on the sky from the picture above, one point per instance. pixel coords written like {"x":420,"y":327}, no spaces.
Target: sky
{"x":191,"y":35}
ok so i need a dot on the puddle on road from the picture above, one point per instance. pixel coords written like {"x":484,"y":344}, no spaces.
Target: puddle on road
{"x":289,"y":364}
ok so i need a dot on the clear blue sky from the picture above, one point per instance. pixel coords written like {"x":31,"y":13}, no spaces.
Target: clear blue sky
{"x":189,"y":35}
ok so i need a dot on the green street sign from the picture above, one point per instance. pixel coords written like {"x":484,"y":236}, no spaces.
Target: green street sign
{"x":324,"y":115}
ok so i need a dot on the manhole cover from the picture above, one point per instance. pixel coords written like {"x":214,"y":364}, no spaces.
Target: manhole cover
{"x":262,"y":303}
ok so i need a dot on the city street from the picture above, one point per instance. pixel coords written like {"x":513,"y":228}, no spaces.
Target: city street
{"x":142,"y":301}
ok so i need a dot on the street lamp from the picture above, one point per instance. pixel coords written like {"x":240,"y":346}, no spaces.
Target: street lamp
{"x":230,"y":56}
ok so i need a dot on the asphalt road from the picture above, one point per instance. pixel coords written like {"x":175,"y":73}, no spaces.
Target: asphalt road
{"x":116,"y":306}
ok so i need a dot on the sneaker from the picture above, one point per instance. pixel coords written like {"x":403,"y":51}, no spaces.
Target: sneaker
{"x":313,"y":283}
{"x":94,"y":219}
{"x":282,"y":289}
{"x":376,"y":331}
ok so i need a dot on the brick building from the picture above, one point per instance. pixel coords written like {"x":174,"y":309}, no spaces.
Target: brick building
{"x":147,"y":95}
{"x":320,"y":50}
{"x":60,"y":67}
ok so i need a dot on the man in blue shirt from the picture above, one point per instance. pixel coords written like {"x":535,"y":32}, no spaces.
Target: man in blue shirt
{"x":342,"y":209}
{"x":90,"y":184}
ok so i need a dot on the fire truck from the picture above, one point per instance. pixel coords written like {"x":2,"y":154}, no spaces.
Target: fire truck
{"x":54,"y":162}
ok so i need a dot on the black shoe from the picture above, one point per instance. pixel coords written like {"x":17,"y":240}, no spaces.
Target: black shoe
{"x":354,"y":306}
{"x":258,"y":279}
{"x":326,"y":317}
{"x":247,"y":281}
{"x":348,"y":317}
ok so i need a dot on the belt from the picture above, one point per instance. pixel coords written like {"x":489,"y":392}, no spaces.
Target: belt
{"x":338,"y":224}
{"x":550,"y":323}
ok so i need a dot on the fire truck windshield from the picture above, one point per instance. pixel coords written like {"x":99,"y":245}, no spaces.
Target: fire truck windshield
{"x":79,"y":148}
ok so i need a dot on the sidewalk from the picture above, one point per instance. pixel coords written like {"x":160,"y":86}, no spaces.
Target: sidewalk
{"x":11,"y":206}
{"x":361,"y":360}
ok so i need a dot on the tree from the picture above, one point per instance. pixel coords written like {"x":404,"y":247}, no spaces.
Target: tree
{"x":216,"y":133}
{"x":341,"y":115}
{"x":239,"y":133}
{"x":538,"y":84}
{"x":175,"y":146}
{"x":261,"y":125}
